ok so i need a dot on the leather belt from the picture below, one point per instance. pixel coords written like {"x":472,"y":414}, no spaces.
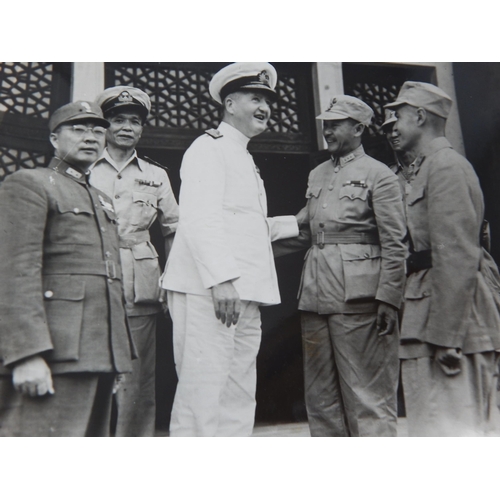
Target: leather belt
{"x":132,"y":239}
{"x":417,"y":261}
{"x":342,"y":238}
{"x":106,"y":268}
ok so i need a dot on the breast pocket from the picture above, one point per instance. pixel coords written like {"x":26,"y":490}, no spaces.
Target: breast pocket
{"x":312,"y":196}
{"x":361,"y":264}
{"x":415,"y":196}
{"x":73,"y":224}
{"x":353,"y":202}
{"x":144,"y":209}
{"x":63,"y":301}
{"x":146,"y":273}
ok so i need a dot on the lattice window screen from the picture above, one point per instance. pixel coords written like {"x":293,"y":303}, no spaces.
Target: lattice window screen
{"x":376,"y":96}
{"x":14,"y":159}
{"x":26,"y":88}
{"x":180,"y":97}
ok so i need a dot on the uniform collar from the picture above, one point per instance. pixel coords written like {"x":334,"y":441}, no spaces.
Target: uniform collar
{"x":107,"y":157}
{"x":68,"y":170}
{"x":233,"y":133}
{"x":429,"y":149}
{"x":353,"y":155}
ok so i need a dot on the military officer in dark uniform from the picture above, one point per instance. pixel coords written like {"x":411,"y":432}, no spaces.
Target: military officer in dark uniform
{"x":352,"y":282}
{"x":63,"y":330}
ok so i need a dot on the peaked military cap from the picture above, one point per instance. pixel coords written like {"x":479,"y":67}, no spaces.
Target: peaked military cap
{"x":77,"y":111}
{"x":346,"y":106}
{"x":390,"y":118}
{"x":114,"y":98}
{"x":423,"y":95}
{"x":244,"y":76}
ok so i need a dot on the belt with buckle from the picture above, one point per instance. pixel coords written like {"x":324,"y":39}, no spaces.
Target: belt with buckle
{"x":343,"y":238}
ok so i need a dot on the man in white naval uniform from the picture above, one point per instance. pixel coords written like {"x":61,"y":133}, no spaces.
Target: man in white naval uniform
{"x":221,"y":267}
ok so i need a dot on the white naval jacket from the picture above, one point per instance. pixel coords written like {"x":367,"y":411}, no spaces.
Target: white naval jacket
{"x":224,"y":232}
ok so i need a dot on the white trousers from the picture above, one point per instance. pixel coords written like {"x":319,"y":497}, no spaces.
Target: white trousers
{"x":216,"y":368}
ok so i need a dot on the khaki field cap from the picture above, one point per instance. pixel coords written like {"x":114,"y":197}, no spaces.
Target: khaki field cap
{"x":390,"y":118}
{"x":260,"y":77}
{"x":75,"y":112}
{"x":423,"y":95}
{"x":346,"y":106}
{"x":114,"y":98}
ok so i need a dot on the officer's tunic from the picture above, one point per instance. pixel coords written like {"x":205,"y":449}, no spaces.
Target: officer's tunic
{"x":141,"y":192}
{"x":452,"y":304}
{"x":61,"y":292}
{"x":224,"y":234}
{"x":354,"y":218}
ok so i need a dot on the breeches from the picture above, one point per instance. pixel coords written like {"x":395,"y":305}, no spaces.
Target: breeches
{"x":135,"y":399}
{"x":459,"y":405}
{"x":216,"y":368}
{"x":351,"y":375}
{"x":81,"y":406}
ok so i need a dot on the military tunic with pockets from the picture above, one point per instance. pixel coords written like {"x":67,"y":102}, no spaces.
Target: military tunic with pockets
{"x":354,"y":221}
{"x":141,"y":193}
{"x":61,"y":293}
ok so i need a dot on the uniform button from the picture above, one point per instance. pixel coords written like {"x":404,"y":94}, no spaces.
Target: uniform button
{"x":108,"y":254}
{"x":103,"y":229}
{"x":119,"y":176}
{"x":117,"y":196}
{"x":366,"y":255}
{"x":48,"y":294}
{"x":330,"y":187}
{"x":321,"y":224}
{"x":76,"y":210}
{"x":325,"y":205}
{"x":110,"y":280}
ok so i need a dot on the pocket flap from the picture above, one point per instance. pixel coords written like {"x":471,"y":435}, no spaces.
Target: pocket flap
{"x":353,"y":192}
{"x":313,"y":191}
{"x":144,"y":250}
{"x":147,"y":198}
{"x":357,"y":251}
{"x":415,"y":195}
{"x":417,"y":287}
{"x":62,"y":287}
{"x":75,"y":207}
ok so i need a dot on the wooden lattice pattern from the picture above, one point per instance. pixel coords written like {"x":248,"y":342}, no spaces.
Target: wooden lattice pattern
{"x":180,"y":97}
{"x":25,"y":88}
{"x":376,"y":96}
{"x":14,"y":159}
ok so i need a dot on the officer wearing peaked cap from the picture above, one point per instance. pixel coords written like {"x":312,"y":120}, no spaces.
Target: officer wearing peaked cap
{"x":221,"y":268}
{"x":451,"y":325}
{"x":352,"y":282}
{"x":63,"y":333}
{"x":141,"y":193}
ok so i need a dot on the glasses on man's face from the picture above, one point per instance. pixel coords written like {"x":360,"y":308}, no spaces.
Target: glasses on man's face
{"x":81,"y":130}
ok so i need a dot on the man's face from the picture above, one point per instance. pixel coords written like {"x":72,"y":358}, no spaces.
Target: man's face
{"x":392,"y":137}
{"x":405,"y":129}
{"x":125,"y":130}
{"x":341,"y":136}
{"x":251,"y":112}
{"x":79,"y":143}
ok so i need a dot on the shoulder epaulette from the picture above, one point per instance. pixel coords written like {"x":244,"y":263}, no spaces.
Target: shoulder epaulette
{"x":149,"y":160}
{"x":212,"y":132}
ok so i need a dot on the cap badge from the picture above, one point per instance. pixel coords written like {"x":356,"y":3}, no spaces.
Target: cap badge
{"x":125,"y":97}
{"x":86,"y":107}
{"x":263,"y":77}
{"x":332,"y":103}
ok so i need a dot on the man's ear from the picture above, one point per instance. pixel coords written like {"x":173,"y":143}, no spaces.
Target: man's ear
{"x":359,"y":128}
{"x":421,"y":116}
{"x":229,"y":105}
{"x":53,"y":140}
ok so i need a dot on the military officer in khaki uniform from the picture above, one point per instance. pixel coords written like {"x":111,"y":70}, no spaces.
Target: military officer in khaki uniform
{"x":141,"y":192}
{"x":451,"y":324}
{"x":352,"y":282}
{"x":63,"y":329}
